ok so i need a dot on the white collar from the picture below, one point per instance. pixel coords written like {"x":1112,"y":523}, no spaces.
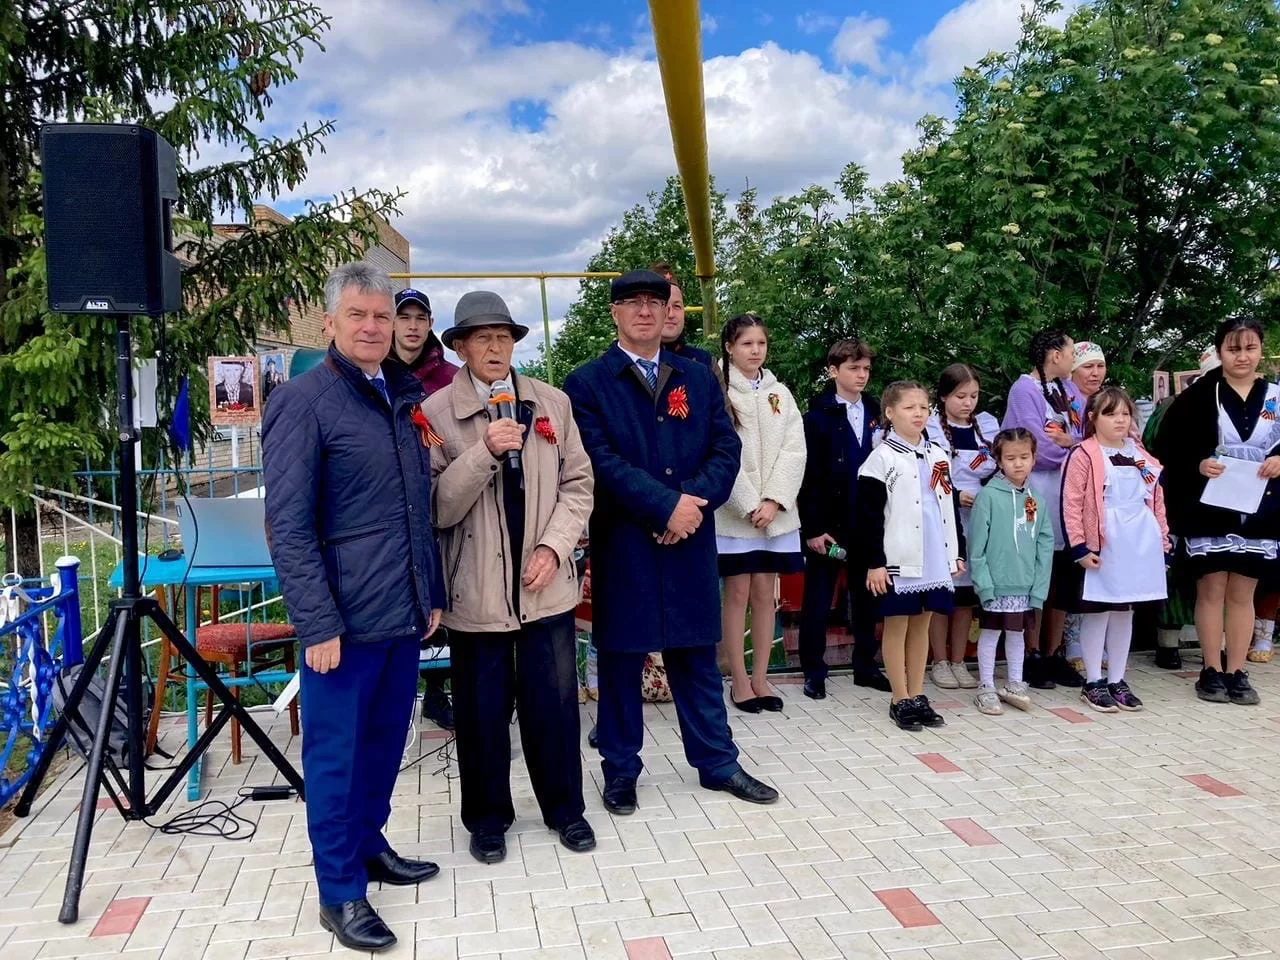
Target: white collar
{"x":635,"y":356}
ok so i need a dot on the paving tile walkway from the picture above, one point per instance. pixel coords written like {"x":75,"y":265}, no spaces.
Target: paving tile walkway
{"x":1152,"y":836}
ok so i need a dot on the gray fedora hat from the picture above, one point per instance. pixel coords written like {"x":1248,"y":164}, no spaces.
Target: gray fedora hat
{"x":480,"y":308}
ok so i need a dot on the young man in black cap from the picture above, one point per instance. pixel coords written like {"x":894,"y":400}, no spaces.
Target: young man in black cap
{"x":415,"y":344}
{"x":665,"y":455}
{"x":673,"y":330}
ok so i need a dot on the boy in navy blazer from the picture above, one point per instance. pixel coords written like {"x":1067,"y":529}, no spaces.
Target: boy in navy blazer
{"x":838,"y":431}
{"x":665,"y":455}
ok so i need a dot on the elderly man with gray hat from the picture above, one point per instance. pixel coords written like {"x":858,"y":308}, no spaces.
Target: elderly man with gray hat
{"x":513,"y":491}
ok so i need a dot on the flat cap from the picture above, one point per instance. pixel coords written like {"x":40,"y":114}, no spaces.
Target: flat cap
{"x":639,"y":281}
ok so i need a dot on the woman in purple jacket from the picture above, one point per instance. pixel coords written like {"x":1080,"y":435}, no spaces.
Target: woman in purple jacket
{"x":1050,"y":406}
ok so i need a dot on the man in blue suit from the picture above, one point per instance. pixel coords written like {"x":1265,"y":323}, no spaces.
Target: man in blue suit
{"x":665,"y":455}
{"x":348,"y":501}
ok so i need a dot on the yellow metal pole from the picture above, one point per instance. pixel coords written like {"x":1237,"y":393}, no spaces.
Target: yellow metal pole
{"x":677,"y":34}
{"x":546,"y":329}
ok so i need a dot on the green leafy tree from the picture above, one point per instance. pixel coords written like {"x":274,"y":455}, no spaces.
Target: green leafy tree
{"x":199,"y":72}
{"x":651,"y":232}
{"x":1118,"y":178}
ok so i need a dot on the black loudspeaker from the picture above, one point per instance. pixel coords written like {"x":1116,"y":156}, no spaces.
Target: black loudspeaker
{"x":108,"y":189}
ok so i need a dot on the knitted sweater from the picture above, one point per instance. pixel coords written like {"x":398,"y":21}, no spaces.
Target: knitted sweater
{"x":773,"y":456}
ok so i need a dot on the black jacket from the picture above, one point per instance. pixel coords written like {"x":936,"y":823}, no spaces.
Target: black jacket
{"x":828,"y":494}
{"x":348,"y":502}
{"x":1187,"y":435}
{"x":682,"y":349}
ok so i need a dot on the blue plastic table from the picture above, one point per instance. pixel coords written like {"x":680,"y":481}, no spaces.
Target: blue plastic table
{"x":176,"y":573}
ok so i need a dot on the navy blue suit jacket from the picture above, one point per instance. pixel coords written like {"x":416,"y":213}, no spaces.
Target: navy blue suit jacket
{"x":645,"y":455}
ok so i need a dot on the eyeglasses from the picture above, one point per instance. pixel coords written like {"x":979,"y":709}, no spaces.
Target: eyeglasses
{"x":639,"y":303}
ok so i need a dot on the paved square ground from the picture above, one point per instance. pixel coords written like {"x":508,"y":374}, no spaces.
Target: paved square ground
{"x":1056,"y":833}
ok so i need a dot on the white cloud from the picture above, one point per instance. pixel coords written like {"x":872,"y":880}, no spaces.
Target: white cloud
{"x":811,"y":22}
{"x":968,"y":32}
{"x":709,"y":23}
{"x":858,"y":42}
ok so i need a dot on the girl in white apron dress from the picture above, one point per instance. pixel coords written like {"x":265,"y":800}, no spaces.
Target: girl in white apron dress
{"x":966,"y":436}
{"x":1119,"y":538}
{"x":1048,"y":405}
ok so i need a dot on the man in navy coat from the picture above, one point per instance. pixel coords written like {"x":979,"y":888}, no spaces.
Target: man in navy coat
{"x":348,"y":500}
{"x":665,"y":455}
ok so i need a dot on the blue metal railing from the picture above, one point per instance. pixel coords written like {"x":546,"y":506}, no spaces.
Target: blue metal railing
{"x":26,"y":708}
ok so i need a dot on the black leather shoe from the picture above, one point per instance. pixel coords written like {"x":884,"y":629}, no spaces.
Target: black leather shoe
{"x":1036,"y":672}
{"x":578,"y":836}
{"x":925,"y":713}
{"x":815,"y":688}
{"x":873,"y":679}
{"x":745,"y":787}
{"x":390,"y":867}
{"x":437,"y":708}
{"x":1063,"y":673}
{"x":904,"y":714}
{"x":771,"y":703}
{"x":593,"y":738}
{"x":620,"y":796}
{"x":751,"y":705}
{"x":1168,"y":658}
{"x":357,"y":926}
{"x":489,"y":847}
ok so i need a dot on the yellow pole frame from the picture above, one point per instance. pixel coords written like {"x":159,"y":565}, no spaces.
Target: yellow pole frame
{"x":677,"y":34}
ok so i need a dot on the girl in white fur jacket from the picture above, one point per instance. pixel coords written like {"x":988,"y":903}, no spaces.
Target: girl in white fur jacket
{"x":758,"y":530}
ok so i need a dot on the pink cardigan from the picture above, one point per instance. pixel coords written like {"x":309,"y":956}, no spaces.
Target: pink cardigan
{"x":1082,"y":486}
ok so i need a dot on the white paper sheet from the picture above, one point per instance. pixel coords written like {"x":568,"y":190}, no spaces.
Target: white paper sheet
{"x":1238,"y":489}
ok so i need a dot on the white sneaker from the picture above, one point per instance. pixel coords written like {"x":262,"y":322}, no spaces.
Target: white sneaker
{"x":1015,"y":695}
{"x":942,"y":676}
{"x":988,"y":702}
{"x":963,"y":677}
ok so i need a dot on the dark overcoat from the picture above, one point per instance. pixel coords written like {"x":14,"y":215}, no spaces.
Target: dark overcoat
{"x":645,"y":455}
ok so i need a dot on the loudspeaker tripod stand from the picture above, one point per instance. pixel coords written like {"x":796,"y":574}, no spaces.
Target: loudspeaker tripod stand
{"x":123,"y":627}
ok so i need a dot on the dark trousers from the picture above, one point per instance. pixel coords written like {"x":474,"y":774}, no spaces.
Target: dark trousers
{"x":535,"y":670}
{"x":820,"y":575}
{"x":698,"y":691}
{"x":355,"y":720}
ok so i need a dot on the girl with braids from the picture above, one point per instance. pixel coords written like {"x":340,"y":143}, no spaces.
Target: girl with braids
{"x":758,"y":529}
{"x":965,"y":436}
{"x":910,"y":543}
{"x":1113,"y":511}
{"x":1228,"y":414}
{"x":1048,"y":405}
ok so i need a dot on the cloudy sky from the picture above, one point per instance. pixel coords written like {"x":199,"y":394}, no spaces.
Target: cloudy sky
{"x":521,"y":129}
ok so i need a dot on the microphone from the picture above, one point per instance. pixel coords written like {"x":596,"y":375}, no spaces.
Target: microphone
{"x":502,"y":403}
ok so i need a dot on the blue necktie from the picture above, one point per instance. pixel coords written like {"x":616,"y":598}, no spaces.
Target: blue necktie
{"x":650,"y":372}
{"x":381,"y":386}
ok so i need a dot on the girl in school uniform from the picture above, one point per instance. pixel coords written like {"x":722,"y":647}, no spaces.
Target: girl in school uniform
{"x":1011,"y":555}
{"x":1114,"y":515}
{"x":1048,"y":405}
{"x":1229,"y":412}
{"x":965,"y":436}
{"x":911,"y":545}
{"x":758,"y":529}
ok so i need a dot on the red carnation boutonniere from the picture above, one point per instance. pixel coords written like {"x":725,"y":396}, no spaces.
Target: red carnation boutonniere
{"x":1031,"y":508}
{"x":775,"y":403}
{"x":542,"y":426}
{"x":678,"y":403}
{"x":941,"y":476}
{"x":429,"y":437}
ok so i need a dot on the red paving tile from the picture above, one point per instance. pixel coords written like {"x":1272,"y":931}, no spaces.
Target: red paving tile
{"x":948,"y":704}
{"x":937,"y":763}
{"x":786,"y":679}
{"x":650,"y":948}
{"x":906,"y":908}
{"x":970,"y":832}
{"x":1187,"y":674}
{"x":121,"y":916}
{"x":436,"y":734}
{"x":1069,"y":715}
{"x":1211,"y":785}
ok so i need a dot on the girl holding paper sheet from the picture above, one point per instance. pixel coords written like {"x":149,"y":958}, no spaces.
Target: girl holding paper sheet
{"x":1228,"y":412}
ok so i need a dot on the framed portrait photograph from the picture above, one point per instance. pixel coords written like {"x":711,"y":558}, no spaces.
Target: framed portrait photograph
{"x":1183,"y":379}
{"x":234,"y":397}
{"x":1161,"y":387}
{"x":274,"y":372}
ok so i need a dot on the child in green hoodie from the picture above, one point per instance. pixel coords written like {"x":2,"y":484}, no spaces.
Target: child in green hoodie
{"x":1011,"y":557}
